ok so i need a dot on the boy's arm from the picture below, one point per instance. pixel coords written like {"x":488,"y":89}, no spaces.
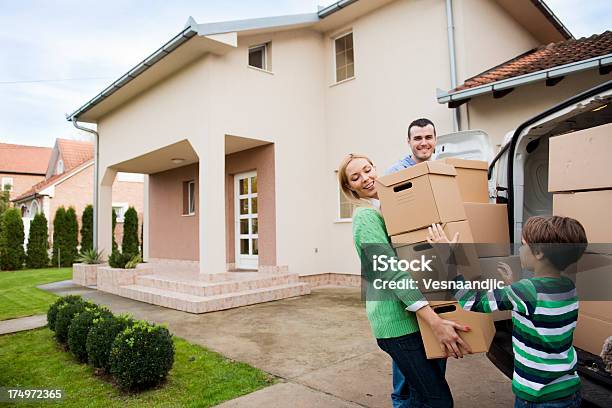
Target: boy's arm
{"x":370,"y":234}
{"x":519,"y":297}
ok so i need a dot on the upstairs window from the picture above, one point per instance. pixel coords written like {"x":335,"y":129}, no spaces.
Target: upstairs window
{"x":7,"y":184}
{"x":189,"y":198}
{"x":345,"y":61}
{"x":59,"y":169}
{"x":258,"y":56}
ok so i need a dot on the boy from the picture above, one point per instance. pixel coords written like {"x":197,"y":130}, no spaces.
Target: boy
{"x":544,"y":311}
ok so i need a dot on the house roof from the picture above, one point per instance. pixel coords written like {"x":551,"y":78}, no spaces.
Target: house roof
{"x":196,"y":39}
{"x":548,"y":56}
{"x":52,"y":181}
{"x":24,"y":159}
{"x":74,"y":152}
{"x":546,"y":62}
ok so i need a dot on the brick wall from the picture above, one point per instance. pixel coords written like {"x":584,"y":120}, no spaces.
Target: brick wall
{"x":21,"y":182}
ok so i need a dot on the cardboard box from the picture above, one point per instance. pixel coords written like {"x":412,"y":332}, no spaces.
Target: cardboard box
{"x":479,"y":338}
{"x":592,"y":209}
{"x":588,"y":168}
{"x":472,"y":179}
{"x":593,"y":279}
{"x":419,"y":196}
{"x":489,"y":225}
{"x":413,"y":245}
{"x":591,"y":333}
{"x":488,"y":267}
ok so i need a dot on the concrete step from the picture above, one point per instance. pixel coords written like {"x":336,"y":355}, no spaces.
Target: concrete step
{"x":238,"y":282}
{"x":202,"y":304}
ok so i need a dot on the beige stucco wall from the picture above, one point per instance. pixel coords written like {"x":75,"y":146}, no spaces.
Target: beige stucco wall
{"x":260,"y":159}
{"x":172,"y":234}
{"x":499,"y":116}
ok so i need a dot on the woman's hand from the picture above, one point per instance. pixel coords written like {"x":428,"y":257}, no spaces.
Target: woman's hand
{"x":446,"y":333}
{"x":438,"y":236}
{"x":505,"y":272}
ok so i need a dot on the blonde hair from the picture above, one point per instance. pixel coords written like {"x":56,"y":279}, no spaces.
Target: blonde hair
{"x":343,"y":178}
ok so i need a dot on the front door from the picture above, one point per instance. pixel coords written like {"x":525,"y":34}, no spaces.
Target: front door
{"x":245,"y":210}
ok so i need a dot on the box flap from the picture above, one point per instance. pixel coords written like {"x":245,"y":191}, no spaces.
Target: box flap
{"x":466,"y":164}
{"x":434,"y":167}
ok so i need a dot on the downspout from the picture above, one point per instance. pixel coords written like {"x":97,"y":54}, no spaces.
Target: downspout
{"x":96,"y":181}
{"x":450,"y":28}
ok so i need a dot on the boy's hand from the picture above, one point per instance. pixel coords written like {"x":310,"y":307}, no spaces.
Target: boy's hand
{"x":506,"y":273}
{"x":438,"y":236}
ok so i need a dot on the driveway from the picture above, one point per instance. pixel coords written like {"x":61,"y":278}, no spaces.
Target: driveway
{"x":320,"y":345}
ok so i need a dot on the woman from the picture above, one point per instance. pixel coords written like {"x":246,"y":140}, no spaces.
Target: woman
{"x":393,"y":322}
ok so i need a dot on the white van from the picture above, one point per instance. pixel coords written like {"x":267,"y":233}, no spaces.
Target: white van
{"x":518,"y":176}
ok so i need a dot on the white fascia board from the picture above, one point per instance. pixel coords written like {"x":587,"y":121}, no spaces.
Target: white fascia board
{"x":256,"y":23}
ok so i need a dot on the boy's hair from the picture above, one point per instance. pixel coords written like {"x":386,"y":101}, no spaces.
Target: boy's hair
{"x":562,"y":240}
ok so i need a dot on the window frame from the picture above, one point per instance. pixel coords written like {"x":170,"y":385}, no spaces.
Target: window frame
{"x":124,"y":206}
{"x":5,"y":182}
{"x":334,"y":54}
{"x":191,"y":198}
{"x":59,"y":167}
{"x":265,"y":46}
{"x":339,"y":219}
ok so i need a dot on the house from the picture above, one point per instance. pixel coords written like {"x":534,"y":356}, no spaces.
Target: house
{"x":22,"y":166}
{"x":239,"y":127}
{"x":68,"y":181}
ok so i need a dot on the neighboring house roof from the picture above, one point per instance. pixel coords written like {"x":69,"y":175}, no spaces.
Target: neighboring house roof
{"x":550,"y":61}
{"x":75,"y":152}
{"x":217,"y":36}
{"x":20,"y":159}
{"x":39,"y":188}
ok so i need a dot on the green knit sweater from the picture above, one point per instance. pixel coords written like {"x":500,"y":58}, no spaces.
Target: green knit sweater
{"x":388,"y":318}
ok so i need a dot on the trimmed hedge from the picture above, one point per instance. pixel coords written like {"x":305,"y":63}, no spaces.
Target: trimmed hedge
{"x":38,"y":243}
{"x":80,"y":328}
{"x":72,"y":237}
{"x":59,"y":222}
{"x":54,"y":308}
{"x":65,"y":314}
{"x":118,"y":259}
{"x":101,"y":337}
{"x":141,"y":356}
{"x":87,"y":229}
{"x":12,"y":254}
{"x":114,"y":223}
{"x":129,"y":242}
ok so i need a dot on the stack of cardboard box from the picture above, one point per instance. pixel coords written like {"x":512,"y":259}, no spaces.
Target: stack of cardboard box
{"x":453,"y":193}
{"x":580,"y":178}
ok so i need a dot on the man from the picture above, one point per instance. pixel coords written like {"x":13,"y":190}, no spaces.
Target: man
{"x":422,"y":141}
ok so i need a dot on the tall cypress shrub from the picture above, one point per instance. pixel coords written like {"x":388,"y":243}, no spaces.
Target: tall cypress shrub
{"x":72,"y":237}
{"x":38,"y":243}
{"x":59,"y":226}
{"x":11,"y":240}
{"x":87,"y":229}
{"x":115,"y":247}
{"x":129,"y":244}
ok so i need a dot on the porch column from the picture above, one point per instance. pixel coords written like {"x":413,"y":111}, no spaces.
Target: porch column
{"x":105,"y":211}
{"x":145,"y":219}
{"x":211,"y":205}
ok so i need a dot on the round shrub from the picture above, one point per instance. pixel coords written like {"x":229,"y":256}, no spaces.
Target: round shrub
{"x":65,"y":314}
{"x":141,"y":356}
{"x":101,"y":337}
{"x":79,"y":329}
{"x":53,"y":309}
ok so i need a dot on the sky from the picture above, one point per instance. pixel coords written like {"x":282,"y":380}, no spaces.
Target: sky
{"x":55,"y":56}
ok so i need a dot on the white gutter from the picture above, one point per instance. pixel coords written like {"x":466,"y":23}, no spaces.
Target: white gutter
{"x":335,"y":7}
{"x":74,"y":120}
{"x":555,"y":72}
{"x":450,"y":28}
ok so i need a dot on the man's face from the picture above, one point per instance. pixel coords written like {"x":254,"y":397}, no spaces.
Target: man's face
{"x":422,"y":141}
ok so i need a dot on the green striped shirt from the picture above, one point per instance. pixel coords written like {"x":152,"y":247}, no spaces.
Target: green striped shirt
{"x":544,"y":315}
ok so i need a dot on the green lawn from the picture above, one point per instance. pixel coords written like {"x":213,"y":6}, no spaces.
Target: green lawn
{"x":19,"y":295}
{"x":199,"y":378}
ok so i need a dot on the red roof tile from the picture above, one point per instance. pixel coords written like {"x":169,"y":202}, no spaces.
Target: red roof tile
{"x":37,"y":188}
{"x":545,"y":57}
{"x":75,"y":152}
{"x":24,"y":159}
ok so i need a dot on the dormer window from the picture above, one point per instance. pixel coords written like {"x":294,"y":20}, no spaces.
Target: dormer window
{"x":59,"y":168}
